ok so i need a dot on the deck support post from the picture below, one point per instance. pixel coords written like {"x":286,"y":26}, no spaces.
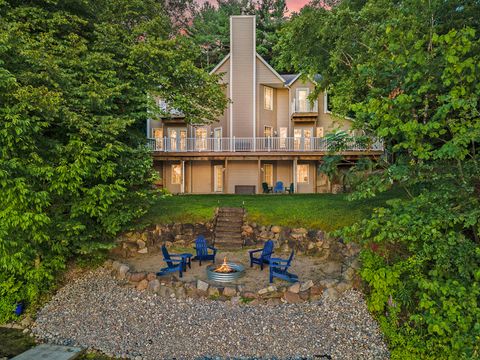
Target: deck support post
{"x":225,"y":179}
{"x":182,"y":188}
{"x":259,"y":176}
{"x":294,"y":175}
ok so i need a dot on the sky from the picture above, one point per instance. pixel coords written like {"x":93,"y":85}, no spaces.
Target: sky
{"x":292,"y":5}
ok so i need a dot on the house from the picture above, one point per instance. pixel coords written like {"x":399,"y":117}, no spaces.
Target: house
{"x":270,"y":131}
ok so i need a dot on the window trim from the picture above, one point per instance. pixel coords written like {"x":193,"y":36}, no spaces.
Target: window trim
{"x":301,"y":181}
{"x":172,"y":180}
{"x":270,"y":105}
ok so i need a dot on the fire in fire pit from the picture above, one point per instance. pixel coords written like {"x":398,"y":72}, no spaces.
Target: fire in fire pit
{"x":226,"y":272}
{"x":224,"y":268}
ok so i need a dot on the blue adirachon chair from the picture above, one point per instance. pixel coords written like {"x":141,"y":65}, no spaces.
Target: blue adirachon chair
{"x":174,"y":263}
{"x":279,"y":269}
{"x":264,"y":258}
{"x":202,"y":250}
{"x":278,"y":187}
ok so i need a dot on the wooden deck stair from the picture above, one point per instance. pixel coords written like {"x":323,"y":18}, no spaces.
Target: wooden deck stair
{"x":228,"y":228}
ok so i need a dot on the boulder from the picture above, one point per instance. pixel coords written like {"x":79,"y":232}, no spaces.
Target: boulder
{"x":332,"y":268}
{"x":143,"y":251}
{"x":180,"y":293}
{"x":228,"y":291}
{"x":276,"y":229}
{"x":122,"y":271}
{"x":142,"y":285}
{"x":249,"y":295}
{"x":141,"y":244}
{"x":292,"y":298}
{"x":213,"y":291}
{"x":137,"y":276}
{"x":202,"y":285}
{"x":295,"y":288}
{"x":316,"y":290}
{"x":154,"y":285}
{"x":328,"y":283}
{"x":301,"y":231}
{"x":343,"y":286}
{"x":274,"y":301}
{"x":306,"y":285}
{"x":151,"y":276}
{"x":331,"y":293}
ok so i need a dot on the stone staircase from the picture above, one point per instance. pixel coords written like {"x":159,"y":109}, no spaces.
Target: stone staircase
{"x":228,"y":228}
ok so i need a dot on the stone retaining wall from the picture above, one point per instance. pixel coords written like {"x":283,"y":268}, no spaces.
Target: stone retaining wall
{"x":169,"y":286}
{"x":303,"y":241}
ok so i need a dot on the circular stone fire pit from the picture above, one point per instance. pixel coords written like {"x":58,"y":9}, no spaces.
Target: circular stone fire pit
{"x":233,"y":272}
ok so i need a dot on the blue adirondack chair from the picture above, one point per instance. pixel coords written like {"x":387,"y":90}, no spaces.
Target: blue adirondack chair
{"x":278,"y":187}
{"x":202,"y":250}
{"x":174,"y":263}
{"x":264,"y":258}
{"x":279,"y":269}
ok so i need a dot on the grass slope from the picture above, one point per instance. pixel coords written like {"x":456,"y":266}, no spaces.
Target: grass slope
{"x":315,"y":211}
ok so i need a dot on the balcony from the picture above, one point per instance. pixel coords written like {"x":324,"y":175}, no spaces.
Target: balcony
{"x":304,"y":110}
{"x":264,"y":145}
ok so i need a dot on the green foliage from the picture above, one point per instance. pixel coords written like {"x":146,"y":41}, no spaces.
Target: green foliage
{"x":74,"y":169}
{"x":409,"y":71}
{"x":211,"y":27}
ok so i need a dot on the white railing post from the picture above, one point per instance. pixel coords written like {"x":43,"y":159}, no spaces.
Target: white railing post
{"x":234,"y":144}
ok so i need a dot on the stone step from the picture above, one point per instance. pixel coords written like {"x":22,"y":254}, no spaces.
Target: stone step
{"x":226,"y":235}
{"x":229,"y":245}
{"x":230,"y":217}
{"x":228,"y":228}
{"x":231,"y":210}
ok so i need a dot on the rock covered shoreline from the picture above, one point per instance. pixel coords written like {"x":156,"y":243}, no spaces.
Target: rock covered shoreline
{"x":94,"y":311}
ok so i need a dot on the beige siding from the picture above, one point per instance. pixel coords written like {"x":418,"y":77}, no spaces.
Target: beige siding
{"x":283,"y":118}
{"x":223,"y":121}
{"x":243,"y":75}
{"x":265,"y":117}
{"x":242,"y":173}
{"x":201,"y":177}
{"x":266,"y":76}
{"x":284,"y":172}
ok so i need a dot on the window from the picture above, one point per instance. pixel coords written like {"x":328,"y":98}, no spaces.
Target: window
{"x":268,"y":174}
{"x":302,"y":138}
{"x":157,"y":134}
{"x":268,"y":98}
{"x":302,"y":173}
{"x":176,"y":174}
{"x":201,"y":138}
{"x":319,"y":132}
{"x":302,"y":103}
{"x":268,"y":131}
{"x":177,"y":139}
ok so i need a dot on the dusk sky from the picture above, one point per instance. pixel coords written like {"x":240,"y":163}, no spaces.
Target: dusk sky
{"x":293,"y":5}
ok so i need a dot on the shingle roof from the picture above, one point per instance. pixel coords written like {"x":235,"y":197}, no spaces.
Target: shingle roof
{"x":288,"y":77}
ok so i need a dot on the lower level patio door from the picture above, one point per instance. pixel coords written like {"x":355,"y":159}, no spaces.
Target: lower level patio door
{"x":218,"y":178}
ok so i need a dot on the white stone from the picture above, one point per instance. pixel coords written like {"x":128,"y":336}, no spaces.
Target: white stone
{"x":143,"y":251}
{"x":202,"y":285}
{"x":295,"y":288}
{"x":306,"y":285}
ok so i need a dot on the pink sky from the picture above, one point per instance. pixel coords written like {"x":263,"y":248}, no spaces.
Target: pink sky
{"x":293,"y":5}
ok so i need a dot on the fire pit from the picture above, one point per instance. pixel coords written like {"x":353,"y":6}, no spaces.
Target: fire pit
{"x":226,"y":272}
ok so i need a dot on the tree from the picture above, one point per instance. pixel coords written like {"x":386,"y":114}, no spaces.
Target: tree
{"x":409,"y":71}
{"x":74,"y":169}
{"x":211,"y":27}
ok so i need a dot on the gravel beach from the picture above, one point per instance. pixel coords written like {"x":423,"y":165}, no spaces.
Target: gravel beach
{"x":94,"y":311}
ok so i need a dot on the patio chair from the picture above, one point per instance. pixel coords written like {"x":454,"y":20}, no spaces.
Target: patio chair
{"x":202,"y":250}
{"x":173,"y":265}
{"x":279,"y":269}
{"x":290,"y":189}
{"x":278,"y":187}
{"x":264,"y":258}
{"x":266,"y":189}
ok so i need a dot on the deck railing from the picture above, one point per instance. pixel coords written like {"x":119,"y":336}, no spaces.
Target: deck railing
{"x":268,"y":144}
{"x":304,"y":107}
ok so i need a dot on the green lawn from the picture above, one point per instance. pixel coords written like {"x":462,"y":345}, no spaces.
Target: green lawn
{"x":315,"y":211}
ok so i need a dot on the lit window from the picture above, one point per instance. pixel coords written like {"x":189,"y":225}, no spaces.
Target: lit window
{"x":302,"y":173}
{"x":319,"y":132}
{"x":201,"y":138}
{"x":268,"y":174}
{"x":268,"y":98}
{"x":176,"y":174}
